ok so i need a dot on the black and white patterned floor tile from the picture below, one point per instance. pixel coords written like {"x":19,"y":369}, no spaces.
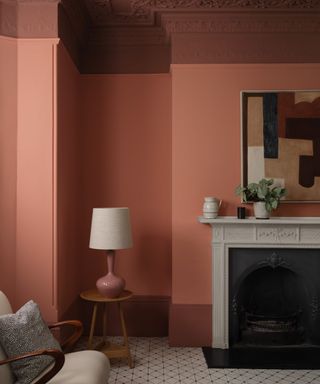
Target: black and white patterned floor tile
{"x":157,"y":363}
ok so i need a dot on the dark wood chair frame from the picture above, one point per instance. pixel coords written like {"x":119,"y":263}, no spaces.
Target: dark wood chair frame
{"x":66,"y":346}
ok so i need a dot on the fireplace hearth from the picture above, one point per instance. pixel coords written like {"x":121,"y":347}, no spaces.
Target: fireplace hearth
{"x":263,"y":357}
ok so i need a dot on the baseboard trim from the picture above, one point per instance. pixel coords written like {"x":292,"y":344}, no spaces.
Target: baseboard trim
{"x":190,"y":325}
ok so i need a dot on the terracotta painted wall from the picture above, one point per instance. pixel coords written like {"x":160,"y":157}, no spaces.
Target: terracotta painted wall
{"x":126,"y":161}
{"x":27,"y":172}
{"x":36,"y":267}
{"x":8,"y":164}
{"x":68,"y":189}
{"x":97,"y":141}
{"x":206,"y":158}
{"x":123,"y":140}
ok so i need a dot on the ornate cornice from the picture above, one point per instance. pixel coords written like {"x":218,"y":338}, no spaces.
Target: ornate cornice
{"x":241,"y":23}
{"x":144,"y":12}
{"x":205,"y":4}
{"x":127,"y":32}
{"x":244,"y":37}
{"x":15,"y":2}
{"x":29,"y":18}
{"x":244,"y":48}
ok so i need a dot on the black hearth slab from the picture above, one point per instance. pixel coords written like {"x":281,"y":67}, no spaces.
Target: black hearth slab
{"x":263,"y":358}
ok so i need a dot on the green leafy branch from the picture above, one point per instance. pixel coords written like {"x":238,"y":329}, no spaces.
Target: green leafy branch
{"x":262,"y":191}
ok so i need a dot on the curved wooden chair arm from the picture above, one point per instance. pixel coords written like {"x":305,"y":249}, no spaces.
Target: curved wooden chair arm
{"x":69,"y":343}
{"x":54,"y":369}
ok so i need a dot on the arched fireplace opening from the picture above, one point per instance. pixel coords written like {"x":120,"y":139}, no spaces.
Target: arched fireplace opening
{"x":271,"y":307}
{"x":273,"y":297}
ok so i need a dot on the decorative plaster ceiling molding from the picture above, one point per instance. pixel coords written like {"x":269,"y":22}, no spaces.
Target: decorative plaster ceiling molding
{"x":17,"y":2}
{"x":244,"y":37}
{"x":213,"y":31}
{"x":134,"y":34}
{"x":143,"y":12}
{"x":123,"y":12}
{"x":244,"y":48}
{"x":29,"y":18}
{"x":241,"y":23}
{"x":147,"y":4}
{"x":170,"y":23}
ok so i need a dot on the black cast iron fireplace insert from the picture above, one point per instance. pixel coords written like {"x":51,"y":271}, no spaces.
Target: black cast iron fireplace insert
{"x":274,"y":310}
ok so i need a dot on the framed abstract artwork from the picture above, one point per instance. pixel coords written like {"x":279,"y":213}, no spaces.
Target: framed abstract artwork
{"x":281,"y":141}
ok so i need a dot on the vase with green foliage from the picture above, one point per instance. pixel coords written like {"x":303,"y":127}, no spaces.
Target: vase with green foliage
{"x":262,"y":192}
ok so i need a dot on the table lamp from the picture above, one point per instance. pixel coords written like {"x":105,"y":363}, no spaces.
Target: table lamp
{"x":110,"y":230}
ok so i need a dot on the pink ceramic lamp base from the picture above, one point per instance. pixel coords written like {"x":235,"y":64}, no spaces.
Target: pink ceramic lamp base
{"x":110,"y":285}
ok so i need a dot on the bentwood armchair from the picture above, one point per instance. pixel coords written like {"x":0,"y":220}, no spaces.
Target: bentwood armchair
{"x":82,"y":367}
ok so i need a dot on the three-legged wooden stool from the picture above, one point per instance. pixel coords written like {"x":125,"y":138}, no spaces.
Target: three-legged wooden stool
{"x":111,"y":350}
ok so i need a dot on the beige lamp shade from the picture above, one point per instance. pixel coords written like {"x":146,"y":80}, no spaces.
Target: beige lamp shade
{"x":110,"y":229}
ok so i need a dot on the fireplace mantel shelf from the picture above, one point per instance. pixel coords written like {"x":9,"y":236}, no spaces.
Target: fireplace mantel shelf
{"x":253,"y":220}
{"x":231,"y":232}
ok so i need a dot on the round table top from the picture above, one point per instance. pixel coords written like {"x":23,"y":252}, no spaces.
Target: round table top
{"x":94,"y":295}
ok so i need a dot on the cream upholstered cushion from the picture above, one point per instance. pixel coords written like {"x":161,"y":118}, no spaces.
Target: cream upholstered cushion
{"x":83,"y":367}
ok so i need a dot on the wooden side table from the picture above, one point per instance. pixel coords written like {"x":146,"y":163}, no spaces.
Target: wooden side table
{"x":111,"y":350}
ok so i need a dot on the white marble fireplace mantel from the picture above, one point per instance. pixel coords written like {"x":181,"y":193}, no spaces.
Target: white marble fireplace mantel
{"x":231,"y":232}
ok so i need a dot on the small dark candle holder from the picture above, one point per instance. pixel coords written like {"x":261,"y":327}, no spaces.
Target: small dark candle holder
{"x":241,"y":212}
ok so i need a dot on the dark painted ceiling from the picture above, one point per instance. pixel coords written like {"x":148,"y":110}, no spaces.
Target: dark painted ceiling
{"x":147,"y":36}
{"x":143,"y":36}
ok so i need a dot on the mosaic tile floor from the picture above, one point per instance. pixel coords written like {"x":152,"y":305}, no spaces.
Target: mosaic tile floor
{"x":157,"y":363}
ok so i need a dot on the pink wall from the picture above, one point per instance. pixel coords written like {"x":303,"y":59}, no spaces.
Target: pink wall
{"x":206,"y":157}
{"x":8,"y":163}
{"x":36,"y":175}
{"x":155,"y":143}
{"x":126,"y":161}
{"x":28,"y":172}
{"x":68,"y":189}
{"x":113,"y":148}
